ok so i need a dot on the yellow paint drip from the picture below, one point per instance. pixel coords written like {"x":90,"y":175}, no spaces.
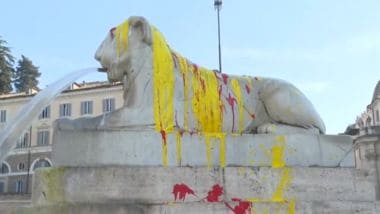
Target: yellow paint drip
{"x":184,"y":68}
{"x":206,"y":102}
{"x":237,"y":91}
{"x":163,"y":89}
{"x":222,"y":150}
{"x":292,"y":207}
{"x":285,"y":179}
{"x":121,"y":36}
{"x":178,"y":148}
{"x":164,"y":153}
{"x":208,"y":151}
{"x":278,"y":152}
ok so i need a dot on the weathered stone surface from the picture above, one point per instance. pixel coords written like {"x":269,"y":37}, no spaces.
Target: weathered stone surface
{"x":315,"y":207}
{"x":144,"y":148}
{"x":155,"y":185}
{"x":305,"y":184}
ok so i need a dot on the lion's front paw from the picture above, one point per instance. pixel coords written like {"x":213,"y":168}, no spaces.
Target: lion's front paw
{"x":267,"y":128}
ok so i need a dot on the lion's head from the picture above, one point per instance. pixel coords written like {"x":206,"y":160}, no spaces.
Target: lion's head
{"x":122,"y":51}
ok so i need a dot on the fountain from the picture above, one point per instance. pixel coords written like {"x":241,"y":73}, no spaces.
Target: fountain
{"x":12,"y":130}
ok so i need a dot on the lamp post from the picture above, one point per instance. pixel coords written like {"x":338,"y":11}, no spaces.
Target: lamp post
{"x":218,"y":7}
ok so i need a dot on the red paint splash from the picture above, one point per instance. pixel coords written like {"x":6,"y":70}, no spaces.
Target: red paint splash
{"x":181,"y":190}
{"x":225,"y":78}
{"x":248,"y":88}
{"x":244,"y":207}
{"x":231,"y":101}
{"x":163,"y":136}
{"x":203,"y":84}
{"x":214,"y":194}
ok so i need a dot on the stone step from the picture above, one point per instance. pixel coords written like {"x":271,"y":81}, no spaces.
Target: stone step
{"x":161,"y":185}
{"x":302,"y":207}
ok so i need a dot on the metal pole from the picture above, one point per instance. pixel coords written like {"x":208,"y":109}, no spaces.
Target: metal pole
{"x":220,"y":51}
{"x":218,"y":5}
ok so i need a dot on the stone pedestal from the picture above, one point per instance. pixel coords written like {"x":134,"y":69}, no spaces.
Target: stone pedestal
{"x":193,"y":190}
{"x":146,"y":148}
{"x":145,"y":172}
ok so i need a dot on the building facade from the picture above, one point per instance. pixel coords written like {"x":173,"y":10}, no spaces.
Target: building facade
{"x":368,"y":123}
{"x":34,"y":146}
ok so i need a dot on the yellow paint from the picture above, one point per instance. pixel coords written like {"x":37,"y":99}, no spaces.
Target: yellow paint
{"x":291,"y":207}
{"x":164,"y":153}
{"x":237,"y":91}
{"x":121,"y":36}
{"x":178,"y":148}
{"x":206,"y":103}
{"x":184,"y":69}
{"x":278,"y":152}
{"x":222,"y":150}
{"x":163,"y":89}
{"x":285,"y":179}
{"x":208,"y":151}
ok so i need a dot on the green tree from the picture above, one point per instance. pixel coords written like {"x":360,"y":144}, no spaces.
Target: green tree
{"x":26,"y":75}
{"x":6,"y":68}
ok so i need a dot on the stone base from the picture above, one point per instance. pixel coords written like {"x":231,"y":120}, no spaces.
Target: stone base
{"x":146,"y":148}
{"x":193,"y":190}
{"x":332,"y":207}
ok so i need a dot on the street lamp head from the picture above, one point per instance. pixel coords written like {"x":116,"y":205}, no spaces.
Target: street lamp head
{"x":218,"y":4}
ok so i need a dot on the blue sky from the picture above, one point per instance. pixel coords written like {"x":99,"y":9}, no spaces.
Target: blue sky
{"x":328,"y":49}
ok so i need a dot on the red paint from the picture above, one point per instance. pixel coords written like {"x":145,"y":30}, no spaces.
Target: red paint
{"x":244,"y":207}
{"x":253,"y":115}
{"x":248,"y":88}
{"x":214,"y":194}
{"x":225,"y":78}
{"x":231,"y":101}
{"x":203,"y":84}
{"x":163,"y":136}
{"x":181,"y":190}
{"x":195,"y":69}
{"x":220,"y":90}
{"x":175,"y":60}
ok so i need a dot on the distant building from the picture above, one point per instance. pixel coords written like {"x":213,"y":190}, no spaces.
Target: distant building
{"x":34,"y":146}
{"x":368,"y":123}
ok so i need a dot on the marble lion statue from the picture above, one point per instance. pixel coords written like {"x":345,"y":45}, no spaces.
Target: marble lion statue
{"x":166,"y":92}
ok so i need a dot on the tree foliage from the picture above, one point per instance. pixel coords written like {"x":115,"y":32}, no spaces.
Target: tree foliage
{"x":26,"y":74}
{"x":6,"y":68}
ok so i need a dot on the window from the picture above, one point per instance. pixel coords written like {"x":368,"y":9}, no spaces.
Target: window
{"x":108,"y":105}
{"x":43,"y":138}
{"x":65,"y":110}
{"x":45,"y":113}
{"x":21,"y":166}
{"x":3,"y":116}
{"x":41,"y":163}
{"x":2,"y":187}
{"x":4,"y":169}
{"x":377,"y":116}
{"x":19,"y":186}
{"x":23,"y":141}
{"x":86,"y":107}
